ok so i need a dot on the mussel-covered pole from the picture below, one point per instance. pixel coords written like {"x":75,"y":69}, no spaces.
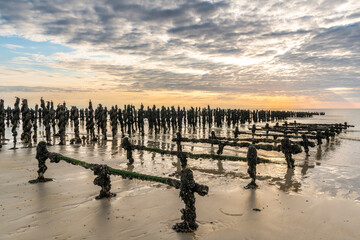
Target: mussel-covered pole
{"x":8,"y":115}
{"x":178,"y":141}
{"x":36,"y":112}
{"x":126,"y":144}
{"x":2,"y":120}
{"x":306,"y":144}
{"x":188,"y":188}
{"x":252,"y":161}
{"x":113,"y":121}
{"x":253,"y":130}
{"x":82,"y":116}
{"x":76,"y":126}
{"x":319,"y":137}
{"x":75,"y":118}
{"x":15,"y":119}
{"x":221,"y":147}
{"x":26,"y":120}
{"x":267,"y":127}
{"x":103,"y":180}
{"x":41,"y":155}
{"x":327,"y":134}
{"x":35,"y":131}
{"x":52,"y":115}
{"x":212,"y":136}
{"x":236,"y":132}
{"x":98,"y":118}
{"x":183,"y":159}
{"x":141,"y":119}
{"x":16,"y":110}
{"x":103,"y":116}
{"x":62,"y":123}
{"x":288,"y":149}
{"x":46,"y":120}
{"x":90,"y":125}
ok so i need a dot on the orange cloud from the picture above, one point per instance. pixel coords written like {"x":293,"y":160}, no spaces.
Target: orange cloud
{"x":172,"y":98}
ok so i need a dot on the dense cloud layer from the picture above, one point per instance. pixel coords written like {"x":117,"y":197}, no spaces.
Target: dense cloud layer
{"x":256,"y":47}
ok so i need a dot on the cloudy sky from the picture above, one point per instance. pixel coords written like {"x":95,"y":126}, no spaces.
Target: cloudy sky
{"x":236,"y":53}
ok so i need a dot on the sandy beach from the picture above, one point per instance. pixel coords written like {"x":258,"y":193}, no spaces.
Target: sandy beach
{"x":284,"y":206}
{"x":253,"y":107}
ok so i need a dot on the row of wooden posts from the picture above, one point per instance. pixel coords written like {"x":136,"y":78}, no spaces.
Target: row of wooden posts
{"x":187,"y":185}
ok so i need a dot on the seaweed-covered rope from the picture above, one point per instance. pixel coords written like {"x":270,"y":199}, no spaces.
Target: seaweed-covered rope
{"x":203,"y":155}
{"x":187,"y":185}
{"x":55,"y":157}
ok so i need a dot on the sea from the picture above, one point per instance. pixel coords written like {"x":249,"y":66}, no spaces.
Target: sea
{"x":336,"y":165}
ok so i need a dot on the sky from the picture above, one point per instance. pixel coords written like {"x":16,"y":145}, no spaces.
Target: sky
{"x":232,"y":54}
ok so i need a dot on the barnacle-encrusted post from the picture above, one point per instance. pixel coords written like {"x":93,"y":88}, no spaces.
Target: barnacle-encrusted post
{"x":305,"y":143}
{"x":178,"y":141}
{"x":253,"y":130}
{"x":103,"y":180}
{"x":221,"y":147}
{"x":62,"y":124}
{"x":15,"y":120}
{"x":41,"y":155}
{"x":236,"y":132}
{"x":252,"y":161}
{"x":188,"y":188}
{"x":319,"y":137}
{"x":2,"y":120}
{"x":183,"y":159}
{"x":286,"y":148}
{"x":128,"y":147}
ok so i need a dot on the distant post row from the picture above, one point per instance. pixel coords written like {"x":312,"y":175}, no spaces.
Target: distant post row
{"x":128,"y":119}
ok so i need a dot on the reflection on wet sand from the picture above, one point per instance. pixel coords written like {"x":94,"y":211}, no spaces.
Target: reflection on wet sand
{"x":318,"y":154}
{"x":322,"y":152}
{"x":252,"y":202}
{"x":114,"y":145}
{"x":212,"y":149}
{"x":41,"y":195}
{"x":130,"y":167}
{"x":141,"y":157}
{"x":305,"y":166}
{"x":290,"y":183}
{"x":177,"y":172}
{"x":220,"y":167}
{"x":224,"y":179}
{"x":221,"y":172}
{"x":328,"y":146}
{"x":101,"y":219}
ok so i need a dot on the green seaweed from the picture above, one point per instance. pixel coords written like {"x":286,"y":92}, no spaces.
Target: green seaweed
{"x":123,"y":173}
{"x":203,"y":155}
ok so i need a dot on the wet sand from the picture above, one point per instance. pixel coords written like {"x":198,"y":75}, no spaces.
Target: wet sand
{"x":318,"y":200}
{"x":66,"y":208}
